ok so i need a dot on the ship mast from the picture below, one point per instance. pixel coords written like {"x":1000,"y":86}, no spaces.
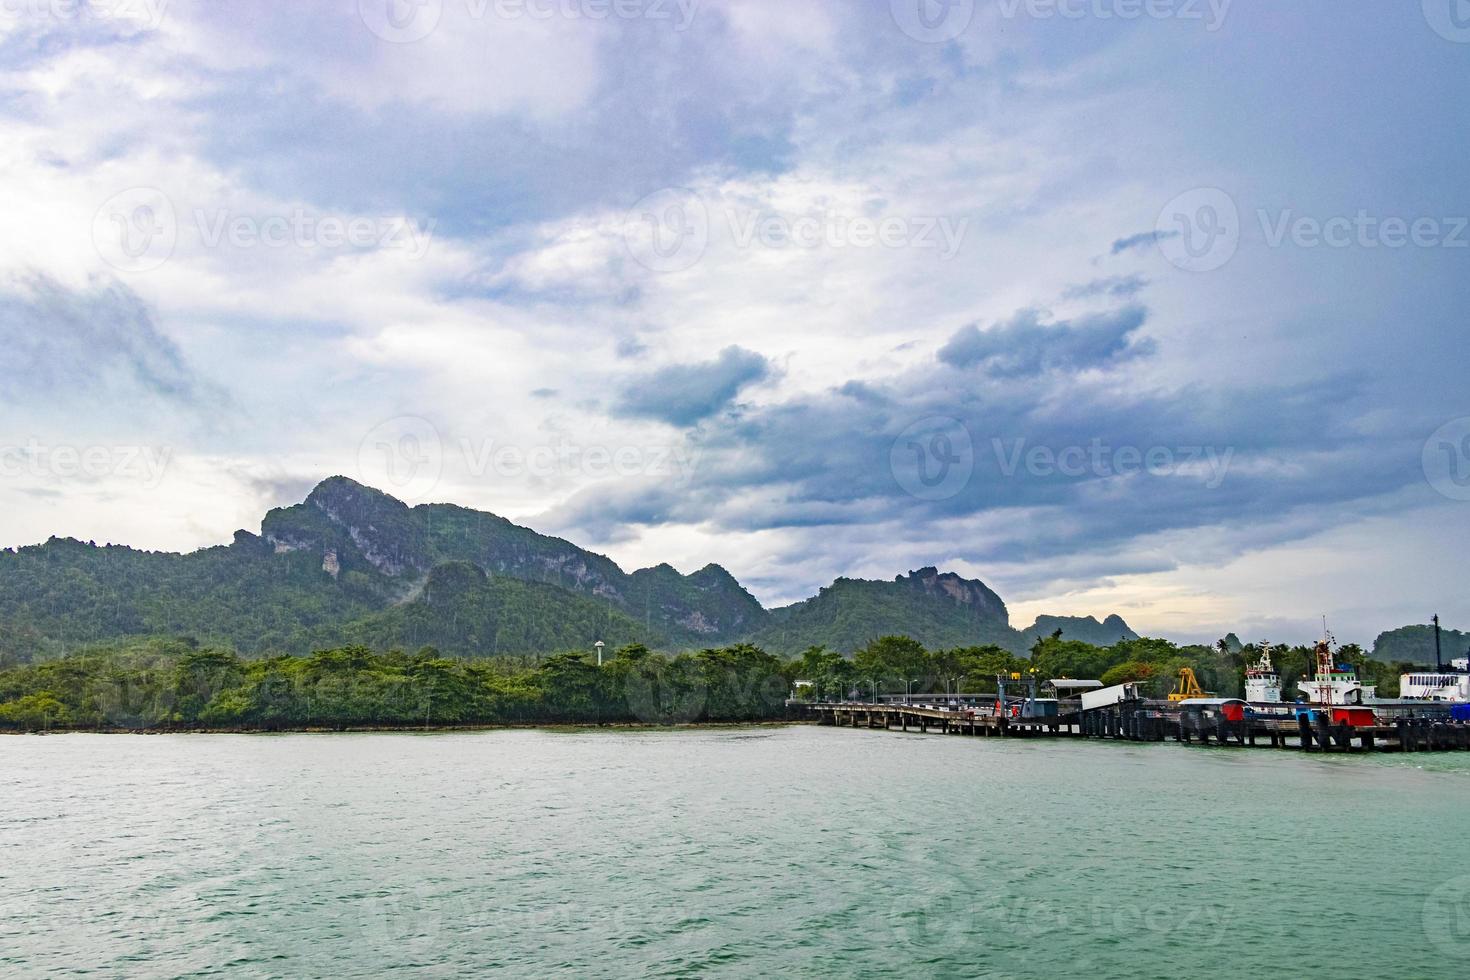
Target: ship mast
{"x":1325,"y":666}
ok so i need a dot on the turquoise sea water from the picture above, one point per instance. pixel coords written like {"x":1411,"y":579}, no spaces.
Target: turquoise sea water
{"x":796,"y":851}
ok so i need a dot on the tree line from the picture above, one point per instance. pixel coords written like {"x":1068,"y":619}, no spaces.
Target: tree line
{"x":180,"y":684}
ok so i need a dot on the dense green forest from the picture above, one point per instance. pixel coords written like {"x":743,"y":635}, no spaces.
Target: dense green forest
{"x":937,"y":609}
{"x":181,"y":684}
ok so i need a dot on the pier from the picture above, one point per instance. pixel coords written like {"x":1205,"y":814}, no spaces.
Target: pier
{"x":1152,"y":721}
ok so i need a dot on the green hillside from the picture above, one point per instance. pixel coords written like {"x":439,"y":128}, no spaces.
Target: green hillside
{"x":939,"y":610}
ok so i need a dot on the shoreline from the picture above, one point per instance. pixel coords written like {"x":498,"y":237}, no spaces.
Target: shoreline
{"x":567,"y":727}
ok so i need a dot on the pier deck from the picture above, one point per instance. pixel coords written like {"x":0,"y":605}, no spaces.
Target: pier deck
{"x":1150,"y":721}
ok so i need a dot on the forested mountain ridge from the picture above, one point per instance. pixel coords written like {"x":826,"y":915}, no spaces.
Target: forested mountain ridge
{"x":1415,"y":644}
{"x":365,"y":527}
{"x":939,"y":609}
{"x":353,"y":565}
{"x":1084,"y":628}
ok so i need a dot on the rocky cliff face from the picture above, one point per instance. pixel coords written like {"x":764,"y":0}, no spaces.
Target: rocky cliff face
{"x":971,"y":594}
{"x":370,"y":530}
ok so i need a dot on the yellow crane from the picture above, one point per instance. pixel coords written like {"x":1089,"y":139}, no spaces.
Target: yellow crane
{"x":1188,"y":686}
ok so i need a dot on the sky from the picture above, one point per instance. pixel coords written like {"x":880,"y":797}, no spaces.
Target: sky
{"x":1155,"y":307}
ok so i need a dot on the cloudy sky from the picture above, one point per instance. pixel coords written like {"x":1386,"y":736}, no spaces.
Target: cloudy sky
{"x":1152,"y":308}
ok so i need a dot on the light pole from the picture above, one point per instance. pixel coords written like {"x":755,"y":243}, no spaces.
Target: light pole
{"x":598,"y":645}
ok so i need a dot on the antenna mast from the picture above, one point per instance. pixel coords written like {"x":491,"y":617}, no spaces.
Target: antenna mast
{"x":1438,"y":664}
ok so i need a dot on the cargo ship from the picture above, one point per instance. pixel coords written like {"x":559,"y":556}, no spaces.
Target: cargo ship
{"x":1441,"y":684}
{"x":1263,"y":680}
{"x":1334,"y":683}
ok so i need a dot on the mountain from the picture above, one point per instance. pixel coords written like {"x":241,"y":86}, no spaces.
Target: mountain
{"x":462,"y":612}
{"x":939,"y":609}
{"x":63,"y":593}
{"x":1084,"y":628}
{"x":372,"y":532}
{"x":1415,"y":645}
{"x":350,"y":564}
{"x":341,"y":563}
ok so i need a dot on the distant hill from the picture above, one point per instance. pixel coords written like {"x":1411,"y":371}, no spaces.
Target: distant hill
{"x":939,"y":609}
{"x":1084,"y":628}
{"x":350,"y":564}
{"x":1415,"y":645}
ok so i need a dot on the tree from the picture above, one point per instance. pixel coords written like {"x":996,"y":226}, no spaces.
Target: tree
{"x":900,"y":658}
{"x":39,"y":710}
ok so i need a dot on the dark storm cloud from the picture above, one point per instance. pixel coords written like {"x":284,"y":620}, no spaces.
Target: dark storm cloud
{"x":1026,"y":345}
{"x":1054,"y":444}
{"x":1117,"y":287}
{"x":80,"y":344}
{"x":683,"y":394}
{"x":1141,"y":240}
